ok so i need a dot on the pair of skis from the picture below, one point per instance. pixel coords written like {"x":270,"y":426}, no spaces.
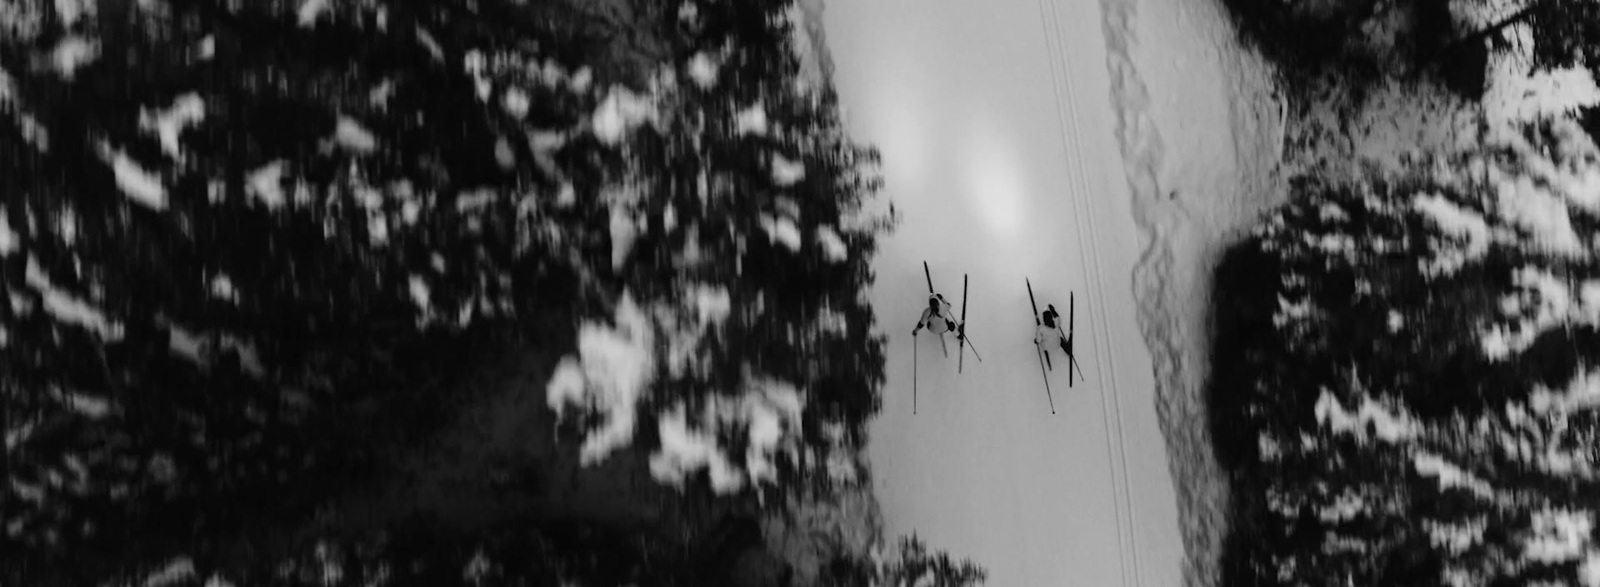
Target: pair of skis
{"x":961,"y":337}
{"x":1044,"y":355}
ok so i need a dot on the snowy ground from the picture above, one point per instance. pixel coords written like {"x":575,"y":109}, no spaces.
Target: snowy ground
{"x":1013,"y":171}
{"x":1201,"y":134}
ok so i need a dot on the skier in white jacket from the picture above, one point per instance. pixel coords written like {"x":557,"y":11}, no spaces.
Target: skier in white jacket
{"x":936,"y":317}
{"x":1050,"y":329}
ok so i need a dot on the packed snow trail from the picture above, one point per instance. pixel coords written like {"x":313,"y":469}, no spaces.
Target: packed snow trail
{"x":1014,"y":174}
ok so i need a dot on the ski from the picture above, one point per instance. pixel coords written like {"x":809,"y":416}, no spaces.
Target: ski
{"x":1040,"y":348}
{"x":928,"y":275}
{"x":1072,"y":359}
{"x":961,"y":334}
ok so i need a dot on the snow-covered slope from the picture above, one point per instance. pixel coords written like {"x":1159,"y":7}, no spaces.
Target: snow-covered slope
{"x":1198,"y":125}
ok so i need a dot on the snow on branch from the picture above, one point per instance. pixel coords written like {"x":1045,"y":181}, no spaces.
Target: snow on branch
{"x":609,"y":376}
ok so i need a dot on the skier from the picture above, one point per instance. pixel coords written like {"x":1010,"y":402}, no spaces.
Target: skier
{"x":936,"y":317}
{"x":1049,"y":323}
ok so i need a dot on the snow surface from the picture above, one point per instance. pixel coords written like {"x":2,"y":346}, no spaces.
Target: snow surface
{"x":1025,"y":149}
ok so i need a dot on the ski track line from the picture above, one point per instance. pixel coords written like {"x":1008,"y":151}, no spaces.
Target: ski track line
{"x":1067,"y":113}
{"x":1057,"y":71}
{"x":1105,"y":329}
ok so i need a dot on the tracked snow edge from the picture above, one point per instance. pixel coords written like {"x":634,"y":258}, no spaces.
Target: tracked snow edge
{"x":1190,"y":200}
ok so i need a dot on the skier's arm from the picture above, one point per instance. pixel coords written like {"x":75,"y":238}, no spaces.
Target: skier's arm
{"x":920,"y":321}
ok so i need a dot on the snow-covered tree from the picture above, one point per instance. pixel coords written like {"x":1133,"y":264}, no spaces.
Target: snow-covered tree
{"x":244,"y":245}
{"x":1406,"y":372}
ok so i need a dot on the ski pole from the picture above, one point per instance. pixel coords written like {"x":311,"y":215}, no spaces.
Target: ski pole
{"x":1046,"y":384}
{"x":974,"y":347}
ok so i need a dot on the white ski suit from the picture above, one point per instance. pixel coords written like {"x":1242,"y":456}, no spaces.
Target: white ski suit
{"x":938,"y":322}
{"x":1047,"y":333}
